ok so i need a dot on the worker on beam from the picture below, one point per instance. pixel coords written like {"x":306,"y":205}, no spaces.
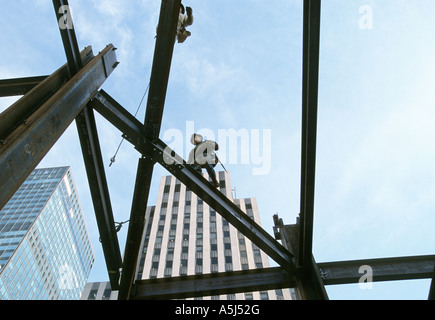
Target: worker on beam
{"x":204,"y":156}
{"x":185,"y":19}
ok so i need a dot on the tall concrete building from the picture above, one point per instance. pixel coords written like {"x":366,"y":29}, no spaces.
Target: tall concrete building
{"x":45,"y":250}
{"x":184,"y":236}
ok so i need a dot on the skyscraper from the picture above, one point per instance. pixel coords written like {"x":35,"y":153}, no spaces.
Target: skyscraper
{"x":45,"y":250}
{"x":184,"y":236}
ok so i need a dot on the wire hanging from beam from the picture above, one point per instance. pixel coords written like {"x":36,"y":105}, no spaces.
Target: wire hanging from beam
{"x":113,"y":159}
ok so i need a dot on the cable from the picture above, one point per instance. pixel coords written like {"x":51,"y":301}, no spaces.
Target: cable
{"x":113,"y":159}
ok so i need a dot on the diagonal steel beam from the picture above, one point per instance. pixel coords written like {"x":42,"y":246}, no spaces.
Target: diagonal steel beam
{"x":163,"y":52}
{"x":91,"y":150}
{"x":311,"y":43}
{"x":213,"y":284}
{"x":161,"y":153}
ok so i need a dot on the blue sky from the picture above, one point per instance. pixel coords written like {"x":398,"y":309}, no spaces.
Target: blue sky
{"x":242,"y":69}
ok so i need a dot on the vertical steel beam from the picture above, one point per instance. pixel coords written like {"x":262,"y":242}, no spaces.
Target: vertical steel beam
{"x":87,"y":131}
{"x":311,"y":39}
{"x":156,"y":98}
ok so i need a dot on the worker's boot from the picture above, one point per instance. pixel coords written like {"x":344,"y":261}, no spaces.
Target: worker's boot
{"x":216,"y":183}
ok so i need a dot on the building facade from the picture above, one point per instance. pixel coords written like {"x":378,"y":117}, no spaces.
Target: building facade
{"x":45,"y":249}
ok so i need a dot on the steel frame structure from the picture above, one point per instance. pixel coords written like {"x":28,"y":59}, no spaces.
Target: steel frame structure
{"x":32,"y":125}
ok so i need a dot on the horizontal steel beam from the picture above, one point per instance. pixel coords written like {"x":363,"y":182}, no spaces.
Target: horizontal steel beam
{"x":19,"y":86}
{"x":384,"y":269}
{"x":25,"y":147}
{"x":161,"y":153}
{"x":213,"y":284}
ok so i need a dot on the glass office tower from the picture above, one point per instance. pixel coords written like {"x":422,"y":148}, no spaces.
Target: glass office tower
{"x":45,"y":250}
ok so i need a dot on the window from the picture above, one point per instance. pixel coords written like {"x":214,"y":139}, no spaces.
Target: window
{"x":106,"y":294}
{"x":249,"y":296}
{"x":92,"y":295}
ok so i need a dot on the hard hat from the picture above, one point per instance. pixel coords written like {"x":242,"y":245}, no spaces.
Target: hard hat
{"x":192,"y":138}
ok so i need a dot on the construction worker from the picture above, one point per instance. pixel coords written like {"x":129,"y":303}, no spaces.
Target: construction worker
{"x":185,"y":19}
{"x":204,"y":156}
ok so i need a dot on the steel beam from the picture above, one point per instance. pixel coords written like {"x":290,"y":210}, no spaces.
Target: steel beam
{"x":19,"y":86}
{"x":311,"y":43}
{"x":163,"y":52}
{"x":161,"y":153}
{"x":213,"y":284}
{"x":384,"y":269}
{"x":91,"y":150}
{"x":24,"y":148}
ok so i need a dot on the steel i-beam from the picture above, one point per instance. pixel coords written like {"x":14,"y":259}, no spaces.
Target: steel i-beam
{"x":162,"y":154}
{"x":156,"y":99}
{"x":311,"y":39}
